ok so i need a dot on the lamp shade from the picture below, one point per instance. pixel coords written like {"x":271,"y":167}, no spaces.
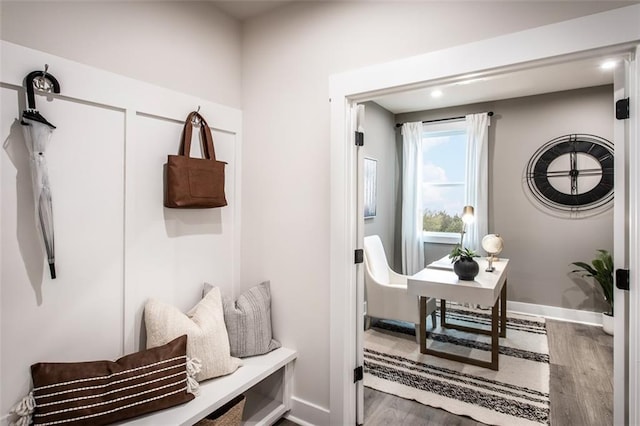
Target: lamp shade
{"x":467,"y":214}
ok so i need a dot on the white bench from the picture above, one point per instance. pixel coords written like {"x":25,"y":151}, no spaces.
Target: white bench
{"x":266,"y":381}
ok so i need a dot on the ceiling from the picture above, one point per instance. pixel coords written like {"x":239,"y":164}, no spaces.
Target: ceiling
{"x":241,"y":9}
{"x":570,"y":75}
{"x":485,"y":88}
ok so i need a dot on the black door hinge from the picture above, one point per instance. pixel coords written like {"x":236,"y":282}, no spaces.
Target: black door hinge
{"x":359,"y":256}
{"x":358,"y":374}
{"x":622,"y":109}
{"x":359,"y":139}
{"x":622,"y":279}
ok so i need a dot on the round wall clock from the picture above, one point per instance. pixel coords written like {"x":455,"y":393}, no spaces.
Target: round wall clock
{"x":572,"y":174}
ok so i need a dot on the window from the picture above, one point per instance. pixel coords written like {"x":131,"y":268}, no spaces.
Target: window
{"x":443,"y":180}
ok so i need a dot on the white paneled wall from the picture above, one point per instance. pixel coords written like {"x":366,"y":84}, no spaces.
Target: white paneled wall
{"x":58,"y":320}
{"x":116,"y":245}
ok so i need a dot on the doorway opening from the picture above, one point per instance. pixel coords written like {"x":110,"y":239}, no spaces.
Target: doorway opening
{"x":522,"y":122}
{"x":447,"y":67}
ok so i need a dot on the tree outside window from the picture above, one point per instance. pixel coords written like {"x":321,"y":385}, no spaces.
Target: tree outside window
{"x":443,"y":180}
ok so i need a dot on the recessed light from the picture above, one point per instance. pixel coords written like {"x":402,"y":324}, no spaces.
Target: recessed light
{"x":608,"y":65}
{"x":436,"y":93}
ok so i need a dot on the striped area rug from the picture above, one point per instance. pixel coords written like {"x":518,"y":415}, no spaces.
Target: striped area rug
{"x":517,"y":394}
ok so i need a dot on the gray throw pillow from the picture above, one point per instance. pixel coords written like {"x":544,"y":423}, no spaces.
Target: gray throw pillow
{"x":248,"y":321}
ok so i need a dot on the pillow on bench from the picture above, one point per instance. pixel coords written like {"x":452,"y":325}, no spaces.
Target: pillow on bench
{"x":103,"y":392}
{"x":248,"y":321}
{"x":203,"y":324}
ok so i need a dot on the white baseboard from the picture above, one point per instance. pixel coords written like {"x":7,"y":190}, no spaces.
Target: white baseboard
{"x":306,"y":413}
{"x":554,"y":312}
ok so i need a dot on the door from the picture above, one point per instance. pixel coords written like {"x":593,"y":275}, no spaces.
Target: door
{"x":625,"y":328}
{"x":358,"y":111}
{"x":633,"y":81}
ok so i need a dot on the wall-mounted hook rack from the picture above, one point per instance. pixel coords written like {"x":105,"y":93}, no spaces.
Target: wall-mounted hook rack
{"x":40,"y":80}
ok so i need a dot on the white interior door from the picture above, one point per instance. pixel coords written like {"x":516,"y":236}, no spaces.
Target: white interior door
{"x":620,"y":244}
{"x":358,"y":110}
{"x":625,"y":373}
{"x":634,"y":241}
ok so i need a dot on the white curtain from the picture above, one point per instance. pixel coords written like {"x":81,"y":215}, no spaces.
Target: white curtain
{"x":411,"y":239}
{"x":477,"y":177}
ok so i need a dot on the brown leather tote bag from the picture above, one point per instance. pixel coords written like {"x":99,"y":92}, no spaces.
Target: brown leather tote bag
{"x":194,"y":183}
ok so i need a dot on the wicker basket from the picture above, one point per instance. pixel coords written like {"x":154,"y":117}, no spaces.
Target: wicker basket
{"x":229,"y":414}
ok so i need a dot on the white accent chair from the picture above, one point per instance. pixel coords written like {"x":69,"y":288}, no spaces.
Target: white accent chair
{"x":386,"y":290}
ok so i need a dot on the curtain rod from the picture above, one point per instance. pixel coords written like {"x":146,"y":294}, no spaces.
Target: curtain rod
{"x":490,"y":113}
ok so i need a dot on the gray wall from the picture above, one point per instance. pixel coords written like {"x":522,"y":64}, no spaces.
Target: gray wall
{"x":380,"y":145}
{"x":541,"y":246}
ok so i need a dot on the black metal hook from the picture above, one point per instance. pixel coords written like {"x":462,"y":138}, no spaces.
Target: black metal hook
{"x":43,"y":75}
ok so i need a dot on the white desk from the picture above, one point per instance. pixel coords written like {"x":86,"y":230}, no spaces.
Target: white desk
{"x":488,"y":289}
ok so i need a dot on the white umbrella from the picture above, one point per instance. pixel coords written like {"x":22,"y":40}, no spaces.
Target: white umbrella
{"x":37,"y":133}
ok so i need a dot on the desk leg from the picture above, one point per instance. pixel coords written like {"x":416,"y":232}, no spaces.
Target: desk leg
{"x":498,"y":329}
{"x":494,"y":333}
{"x":495,"y":339}
{"x":423,"y":324}
{"x":443,"y":313}
{"x":503,"y":310}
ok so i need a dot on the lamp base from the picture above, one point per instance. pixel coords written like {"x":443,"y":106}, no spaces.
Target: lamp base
{"x":490,"y":267}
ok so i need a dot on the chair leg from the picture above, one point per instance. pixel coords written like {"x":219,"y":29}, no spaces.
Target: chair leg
{"x":433,"y":319}
{"x":367,"y":322}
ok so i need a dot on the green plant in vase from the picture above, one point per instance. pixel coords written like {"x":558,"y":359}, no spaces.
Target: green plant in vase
{"x":462,"y":253}
{"x":601,"y":269}
{"x":464,"y":265}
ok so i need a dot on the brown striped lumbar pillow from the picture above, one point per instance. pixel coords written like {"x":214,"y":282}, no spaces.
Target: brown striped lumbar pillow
{"x":103,"y":392}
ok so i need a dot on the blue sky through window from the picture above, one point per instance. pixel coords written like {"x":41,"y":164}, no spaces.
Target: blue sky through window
{"x":443,"y":156}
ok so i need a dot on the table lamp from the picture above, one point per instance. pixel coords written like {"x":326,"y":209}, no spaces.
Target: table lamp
{"x":467,"y":218}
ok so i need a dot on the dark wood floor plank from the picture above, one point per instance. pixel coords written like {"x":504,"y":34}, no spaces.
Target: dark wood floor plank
{"x":582,"y":374}
{"x":562,"y":392}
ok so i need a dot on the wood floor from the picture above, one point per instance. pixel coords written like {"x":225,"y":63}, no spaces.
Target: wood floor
{"x":581,"y":388}
{"x":581,"y":385}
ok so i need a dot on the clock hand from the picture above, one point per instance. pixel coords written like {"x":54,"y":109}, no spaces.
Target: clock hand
{"x":563,"y":173}
{"x":573,"y":173}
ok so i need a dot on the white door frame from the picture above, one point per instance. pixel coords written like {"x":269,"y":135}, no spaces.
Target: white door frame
{"x":633,"y":164}
{"x":530,"y":48}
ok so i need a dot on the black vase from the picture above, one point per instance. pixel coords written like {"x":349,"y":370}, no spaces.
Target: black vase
{"x":466,"y":269}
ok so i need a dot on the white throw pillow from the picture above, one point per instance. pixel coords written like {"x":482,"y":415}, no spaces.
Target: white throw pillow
{"x":207,"y":337}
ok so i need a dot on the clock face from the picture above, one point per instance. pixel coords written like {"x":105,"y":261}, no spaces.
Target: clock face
{"x":572,"y":173}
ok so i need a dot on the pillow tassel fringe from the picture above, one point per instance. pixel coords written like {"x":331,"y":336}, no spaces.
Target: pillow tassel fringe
{"x":23,"y":410}
{"x":193,"y":367}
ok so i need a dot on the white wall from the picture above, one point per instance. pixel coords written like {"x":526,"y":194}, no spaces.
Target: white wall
{"x":379,"y":127}
{"x":116,"y":245}
{"x":190,"y":47}
{"x":541,"y":245}
{"x":288,"y":56}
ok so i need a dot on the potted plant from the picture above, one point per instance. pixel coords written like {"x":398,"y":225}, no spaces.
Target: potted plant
{"x":601,"y":268}
{"x":465,"y":267}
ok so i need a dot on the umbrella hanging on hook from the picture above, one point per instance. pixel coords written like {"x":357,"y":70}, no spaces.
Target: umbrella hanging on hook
{"x":37,"y":133}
